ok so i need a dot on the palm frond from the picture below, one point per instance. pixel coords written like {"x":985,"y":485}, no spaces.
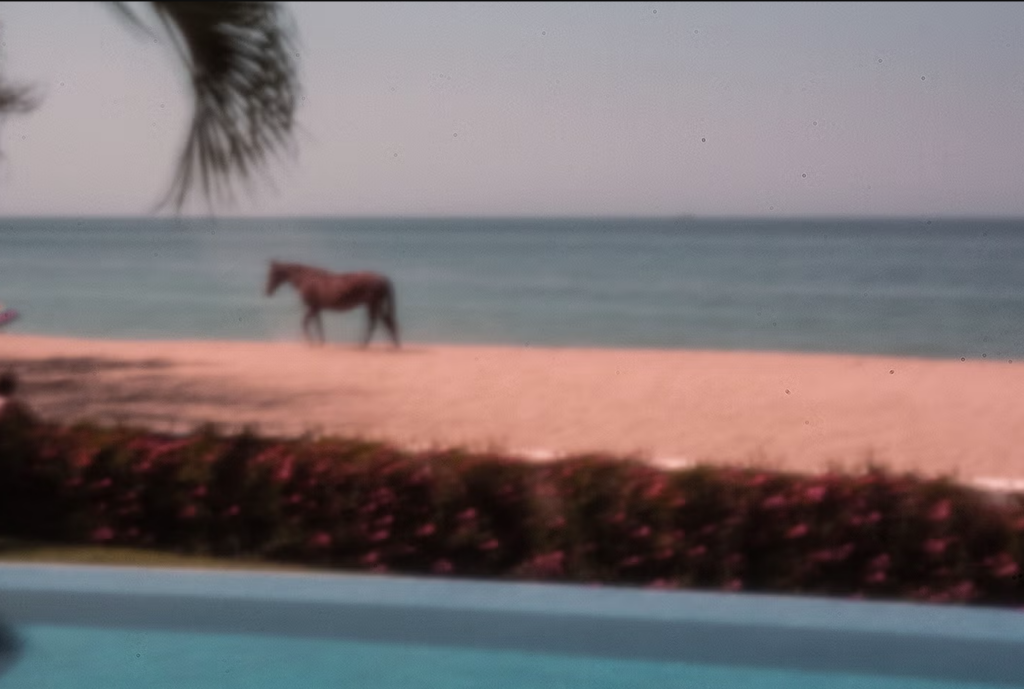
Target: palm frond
{"x":242,"y":65}
{"x":15,"y":99}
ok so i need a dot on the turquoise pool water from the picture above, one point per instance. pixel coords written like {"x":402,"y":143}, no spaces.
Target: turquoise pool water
{"x":92,"y":658}
{"x":118,"y":627}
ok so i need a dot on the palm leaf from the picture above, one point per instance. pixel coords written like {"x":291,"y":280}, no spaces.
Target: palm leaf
{"x":15,"y":98}
{"x":241,"y":61}
{"x":242,"y":68}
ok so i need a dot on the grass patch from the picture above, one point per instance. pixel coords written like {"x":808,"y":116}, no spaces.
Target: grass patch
{"x":29,"y":552}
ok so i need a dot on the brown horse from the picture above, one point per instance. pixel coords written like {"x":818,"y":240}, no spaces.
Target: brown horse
{"x":321,"y":289}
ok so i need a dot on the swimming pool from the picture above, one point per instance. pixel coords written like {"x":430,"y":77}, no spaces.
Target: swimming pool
{"x":126,"y":627}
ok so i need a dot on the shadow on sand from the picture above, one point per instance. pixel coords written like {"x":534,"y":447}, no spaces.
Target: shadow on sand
{"x":153,"y":392}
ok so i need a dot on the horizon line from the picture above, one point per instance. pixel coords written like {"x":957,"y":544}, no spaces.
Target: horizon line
{"x":669,"y":217}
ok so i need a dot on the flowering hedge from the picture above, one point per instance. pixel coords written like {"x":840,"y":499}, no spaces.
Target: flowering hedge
{"x":357,"y":505}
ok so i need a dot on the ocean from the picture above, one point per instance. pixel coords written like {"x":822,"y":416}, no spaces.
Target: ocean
{"x":939,"y":288}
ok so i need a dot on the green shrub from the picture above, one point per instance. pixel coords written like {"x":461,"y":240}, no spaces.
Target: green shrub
{"x":354,"y":505}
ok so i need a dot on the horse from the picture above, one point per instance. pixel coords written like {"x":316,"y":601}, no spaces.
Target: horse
{"x":323,"y":290}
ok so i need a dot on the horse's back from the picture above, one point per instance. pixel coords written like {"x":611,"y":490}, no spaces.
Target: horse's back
{"x":370,"y":277}
{"x":347,"y":290}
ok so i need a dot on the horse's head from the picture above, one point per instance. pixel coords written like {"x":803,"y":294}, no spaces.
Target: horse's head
{"x":275,"y":277}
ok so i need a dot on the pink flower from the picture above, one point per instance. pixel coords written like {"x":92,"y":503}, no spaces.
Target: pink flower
{"x":941,"y":511}
{"x":371,"y":558}
{"x":320,"y":539}
{"x":733,"y":585}
{"x":284,"y":473}
{"x":881,"y":562}
{"x":1009,"y":569}
{"x":188,"y":511}
{"x":105,"y":483}
{"x":774,"y":502}
{"x":491,"y":544}
{"x":876,"y":577}
{"x":935,"y":546}
{"x":797,"y":531}
{"x":557,"y":523}
{"x":385,"y":496}
{"x":631,"y":561}
{"x":962,"y":591}
{"x":467,"y":515}
{"x":102,"y":534}
{"x":660,"y":584}
{"x":442,"y":567}
{"x":655,"y":489}
{"x":642,"y":532}
{"x":697,"y":551}
{"x":426,"y":530}
{"x":547,"y":564}
{"x":815,"y":493}
{"x":379,"y":536}
{"x":233,"y":511}
{"x":1003,"y":566}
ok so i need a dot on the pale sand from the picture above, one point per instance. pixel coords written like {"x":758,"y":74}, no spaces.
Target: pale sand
{"x":794,"y":411}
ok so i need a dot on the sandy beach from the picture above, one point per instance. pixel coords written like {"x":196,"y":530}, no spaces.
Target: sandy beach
{"x":804,"y":412}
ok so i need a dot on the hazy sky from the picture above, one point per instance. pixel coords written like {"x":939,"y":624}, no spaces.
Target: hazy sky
{"x":557,"y":109}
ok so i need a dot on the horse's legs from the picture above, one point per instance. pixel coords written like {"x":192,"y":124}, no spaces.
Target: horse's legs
{"x":388,"y":313}
{"x":320,"y":328}
{"x":372,"y":314}
{"x":392,"y":326}
{"x":305,"y":325}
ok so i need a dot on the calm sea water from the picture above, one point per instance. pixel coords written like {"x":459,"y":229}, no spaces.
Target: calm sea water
{"x":100,"y":658}
{"x":950,"y":288}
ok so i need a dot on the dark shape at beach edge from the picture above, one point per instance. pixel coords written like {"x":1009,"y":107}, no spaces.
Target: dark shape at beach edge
{"x":10,"y":647}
